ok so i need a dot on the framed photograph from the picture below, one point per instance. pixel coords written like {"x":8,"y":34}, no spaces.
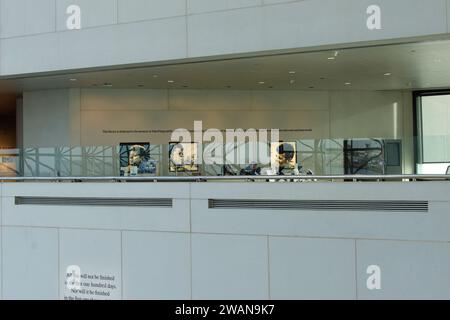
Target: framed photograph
{"x":135,"y":160}
{"x":183,"y":157}
{"x":284,"y":155}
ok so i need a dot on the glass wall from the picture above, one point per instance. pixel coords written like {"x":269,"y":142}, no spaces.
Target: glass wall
{"x":433,"y":123}
{"x":363,"y":156}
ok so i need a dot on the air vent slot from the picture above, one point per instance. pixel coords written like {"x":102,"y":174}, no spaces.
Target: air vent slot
{"x":321,"y":205}
{"x":95,"y":202}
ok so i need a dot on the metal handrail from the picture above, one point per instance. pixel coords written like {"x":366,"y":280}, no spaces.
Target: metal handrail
{"x":312,"y":178}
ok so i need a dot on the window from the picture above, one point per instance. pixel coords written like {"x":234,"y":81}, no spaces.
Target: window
{"x":433,"y":124}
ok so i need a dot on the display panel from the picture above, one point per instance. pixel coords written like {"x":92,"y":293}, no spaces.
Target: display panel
{"x":183,"y":157}
{"x":135,"y":160}
{"x":284,"y":156}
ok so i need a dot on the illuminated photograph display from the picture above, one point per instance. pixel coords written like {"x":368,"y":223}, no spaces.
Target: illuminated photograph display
{"x":135,"y":160}
{"x":183,"y":157}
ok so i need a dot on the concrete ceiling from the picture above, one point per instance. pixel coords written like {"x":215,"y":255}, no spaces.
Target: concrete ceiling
{"x":404,"y":66}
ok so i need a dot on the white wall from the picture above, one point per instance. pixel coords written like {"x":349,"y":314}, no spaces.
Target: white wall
{"x":70,"y":116}
{"x":193,"y":252}
{"x":34,"y":38}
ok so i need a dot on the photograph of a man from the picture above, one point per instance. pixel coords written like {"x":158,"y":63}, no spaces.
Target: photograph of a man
{"x":135,"y":160}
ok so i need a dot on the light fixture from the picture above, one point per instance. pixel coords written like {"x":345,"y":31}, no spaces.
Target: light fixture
{"x":292,"y":72}
{"x":331,"y":58}
{"x":73,"y":79}
{"x":261,"y":82}
{"x":348,"y":83}
{"x":171,"y":81}
{"x":388,"y":74}
{"x":107,"y":84}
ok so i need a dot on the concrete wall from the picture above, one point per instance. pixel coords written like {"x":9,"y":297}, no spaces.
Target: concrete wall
{"x":193,"y":252}
{"x":118,"y":32}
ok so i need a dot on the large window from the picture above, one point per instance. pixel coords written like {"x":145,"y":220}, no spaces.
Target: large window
{"x":433,"y":122}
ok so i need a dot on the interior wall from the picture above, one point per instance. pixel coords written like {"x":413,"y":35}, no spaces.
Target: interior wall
{"x":94,"y":117}
{"x":316,"y":114}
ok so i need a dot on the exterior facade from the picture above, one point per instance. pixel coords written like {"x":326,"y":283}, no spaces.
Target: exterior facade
{"x":359,"y":89}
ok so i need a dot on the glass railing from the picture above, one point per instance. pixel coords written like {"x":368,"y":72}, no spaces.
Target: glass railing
{"x":301,"y":157}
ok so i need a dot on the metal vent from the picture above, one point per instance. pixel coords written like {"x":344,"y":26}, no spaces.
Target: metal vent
{"x":321,"y":205}
{"x":95,"y":202}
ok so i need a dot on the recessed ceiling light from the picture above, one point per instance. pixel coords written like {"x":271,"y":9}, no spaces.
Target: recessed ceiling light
{"x":331,"y":58}
{"x":292,"y":72}
{"x":348,"y":83}
{"x":73,"y":79}
{"x":388,"y":74}
{"x":171,"y":81}
{"x":261,"y":82}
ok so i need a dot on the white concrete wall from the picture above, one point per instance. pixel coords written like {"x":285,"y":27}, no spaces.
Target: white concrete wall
{"x":117,"y":32}
{"x":193,"y":252}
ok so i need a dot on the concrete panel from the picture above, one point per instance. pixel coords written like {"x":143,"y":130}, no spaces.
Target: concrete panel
{"x":94,"y":13}
{"x":29,"y":54}
{"x":432,"y":191}
{"x":138,"y":10}
{"x":101,"y":99}
{"x":93,"y":47}
{"x":434,"y":225}
{"x":26,"y":17}
{"x":409,"y":270}
{"x":225,"y":32}
{"x":385,"y":107}
{"x":448,"y":15}
{"x":39,"y":107}
{"x":156,"y":266}
{"x":210,"y":100}
{"x":161,"y":219}
{"x":313,"y":23}
{"x":200,"y":6}
{"x":98,"y":255}
{"x":30,"y":263}
{"x":124,"y":43}
{"x":102,"y":190}
{"x":312,"y":269}
{"x":229,"y":267}
{"x":290,"y":100}
{"x":146,"y":219}
{"x":310,"y":23}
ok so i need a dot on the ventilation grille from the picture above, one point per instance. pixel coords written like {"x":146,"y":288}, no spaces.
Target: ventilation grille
{"x":100,"y":202}
{"x":321,"y":205}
